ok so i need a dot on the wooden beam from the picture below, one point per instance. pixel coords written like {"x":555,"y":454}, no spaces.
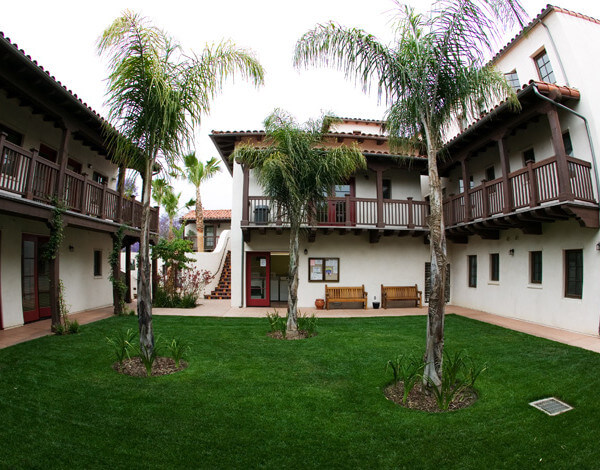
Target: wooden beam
{"x":375,"y":235}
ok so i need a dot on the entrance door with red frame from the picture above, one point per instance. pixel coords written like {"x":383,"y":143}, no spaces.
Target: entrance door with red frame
{"x":35,"y":279}
{"x":336,"y":208}
{"x":258,"y":271}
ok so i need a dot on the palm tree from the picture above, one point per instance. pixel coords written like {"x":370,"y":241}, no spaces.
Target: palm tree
{"x":156,"y":96}
{"x":197,"y":172}
{"x":296,"y":173}
{"x":170,"y":202}
{"x":433,"y":72}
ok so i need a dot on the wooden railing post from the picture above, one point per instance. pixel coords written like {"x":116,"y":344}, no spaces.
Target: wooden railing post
{"x":31,"y":174}
{"x":379,"y":198}
{"x":121,"y":190}
{"x":348,"y":210}
{"x":411,"y":222}
{"x":84,"y":184}
{"x":466,"y":184}
{"x":451,"y":215}
{"x":485,"y":209}
{"x":63,"y":158}
{"x":103,"y":201}
{"x":508,"y":205}
{"x":533,"y":200}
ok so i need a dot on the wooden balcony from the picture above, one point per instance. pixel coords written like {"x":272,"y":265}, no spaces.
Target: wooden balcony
{"x":26,"y":174}
{"x":343,"y":214}
{"x":527,"y":196}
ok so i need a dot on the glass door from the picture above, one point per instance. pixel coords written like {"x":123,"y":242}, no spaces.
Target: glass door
{"x":337,"y":205}
{"x":35,"y":279}
{"x":257,"y":279}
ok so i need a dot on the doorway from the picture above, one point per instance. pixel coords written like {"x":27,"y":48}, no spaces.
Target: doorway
{"x":35,"y":279}
{"x":279,"y":278}
{"x":267,"y":278}
{"x":334,"y":211}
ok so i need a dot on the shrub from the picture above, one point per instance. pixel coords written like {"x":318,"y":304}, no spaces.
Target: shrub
{"x":122,"y":344}
{"x":407,"y":370}
{"x":277,"y":323}
{"x":305,"y":323}
{"x":73,"y":327}
{"x":308,"y":324}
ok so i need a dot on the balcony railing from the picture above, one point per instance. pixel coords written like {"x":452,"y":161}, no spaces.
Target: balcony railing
{"x":531,"y":186}
{"x":346,"y":211}
{"x":35,"y":178}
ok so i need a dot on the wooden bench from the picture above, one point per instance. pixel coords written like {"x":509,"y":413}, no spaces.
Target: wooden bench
{"x":345,"y":294}
{"x":400,"y":293}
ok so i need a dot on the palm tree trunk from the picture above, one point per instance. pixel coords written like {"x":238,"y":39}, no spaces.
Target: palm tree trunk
{"x":170,"y":235}
{"x":292,"y":321}
{"x":199,"y":222}
{"x":437,"y":238}
{"x":144,"y":305}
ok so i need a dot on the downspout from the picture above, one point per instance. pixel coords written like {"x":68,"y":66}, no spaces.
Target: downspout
{"x":242,"y":290}
{"x":589,"y":134}
{"x":560,"y":64}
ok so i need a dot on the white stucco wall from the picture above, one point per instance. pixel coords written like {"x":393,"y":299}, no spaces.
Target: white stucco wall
{"x":513,"y":296}
{"x":83,"y":291}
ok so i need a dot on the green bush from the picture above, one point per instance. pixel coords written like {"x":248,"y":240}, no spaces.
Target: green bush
{"x":162,"y":299}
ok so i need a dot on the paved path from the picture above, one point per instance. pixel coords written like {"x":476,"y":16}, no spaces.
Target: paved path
{"x":222,"y":308}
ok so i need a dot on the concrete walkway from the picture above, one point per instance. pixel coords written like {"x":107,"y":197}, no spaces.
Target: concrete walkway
{"x":222,"y":308}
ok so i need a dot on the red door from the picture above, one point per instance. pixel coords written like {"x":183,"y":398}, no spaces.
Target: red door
{"x":337,"y":211}
{"x":258,"y":270}
{"x":35,"y":279}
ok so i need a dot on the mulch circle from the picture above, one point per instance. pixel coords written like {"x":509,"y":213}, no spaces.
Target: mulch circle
{"x":422,"y":399}
{"x":162,"y":366}
{"x":302,"y":334}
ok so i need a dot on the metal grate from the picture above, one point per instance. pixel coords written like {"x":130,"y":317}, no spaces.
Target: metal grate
{"x":551,"y":406}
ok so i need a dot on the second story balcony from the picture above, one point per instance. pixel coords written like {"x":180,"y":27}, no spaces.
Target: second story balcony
{"x":27,"y":177}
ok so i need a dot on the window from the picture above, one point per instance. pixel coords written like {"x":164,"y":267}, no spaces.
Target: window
{"x":99,"y":178}
{"x":535,"y":267}
{"x":97,"y":263}
{"x":472,"y":270}
{"x":513,"y":80}
{"x":13,"y":137}
{"x":490,"y":174}
{"x":387,"y":189}
{"x":528,"y":156}
{"x":542,"y":62}
{"x":494,"y":266}
{"x":567,"y":143}
{"x":574,"y":273}
{"x":209,"y":237}
{"x":48,"y":153}
{"x":323,"y":269}
{"x":461,"y":186}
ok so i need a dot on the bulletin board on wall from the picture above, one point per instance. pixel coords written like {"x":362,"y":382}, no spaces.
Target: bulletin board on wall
{"x":323,"y":269}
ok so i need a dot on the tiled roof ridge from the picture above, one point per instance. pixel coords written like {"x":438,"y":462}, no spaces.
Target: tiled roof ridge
{"x":51,"y":77}
{"x":210,"y":214}
{"x":543,"y":13}
{"x":262,"y":132}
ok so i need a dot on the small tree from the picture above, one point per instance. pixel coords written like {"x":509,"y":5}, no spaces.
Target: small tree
{"x":297,"y":173}
{"x":156,"y":97}
{"x":196,"y":173}
{"x":434,"y":72}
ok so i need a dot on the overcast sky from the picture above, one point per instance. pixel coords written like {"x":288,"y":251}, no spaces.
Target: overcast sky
{"x":61,"y":36}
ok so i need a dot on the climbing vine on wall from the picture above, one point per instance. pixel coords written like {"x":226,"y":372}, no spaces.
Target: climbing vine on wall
{"x":57,"y":231}
{"x":119,"y":287}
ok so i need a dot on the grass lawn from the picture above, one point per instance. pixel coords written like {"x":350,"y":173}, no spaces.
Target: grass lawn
{"x":250,"y":401}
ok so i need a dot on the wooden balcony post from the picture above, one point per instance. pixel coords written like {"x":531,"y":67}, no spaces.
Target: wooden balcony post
{"x":562,"y":167}
{"x":379,"y":198}
{"x":84,"y":184}
{"x":245,"y":201}
{"x":121,"y":190}
{"x":531,"y":180}
{"x":508,"y":205}
{"x":103,"y":201}
{"x":485,"y":209}
{"x":411,"y":222}
{"x":31,"y":174}
{"x":348,"y":210}
{"x":63,"y":158}
{"x":451,"y":214}
{"x":466,"y":184}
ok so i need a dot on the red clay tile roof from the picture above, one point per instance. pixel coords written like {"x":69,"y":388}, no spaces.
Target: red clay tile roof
{"x":218,"y":214}
{"x":545,"y":12}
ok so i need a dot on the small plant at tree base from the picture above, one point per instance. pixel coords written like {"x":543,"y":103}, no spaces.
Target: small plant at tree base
{"x":148,"y":359}
{"x":407,"y":370}
{"x":277,"y":323}
{"x":306,"y":323}
{"x":122,"y":344}
{"x":73,"y":327}
{"x":459,"y":374}
{"x":177,"y":348}
{"x":65,"y":326}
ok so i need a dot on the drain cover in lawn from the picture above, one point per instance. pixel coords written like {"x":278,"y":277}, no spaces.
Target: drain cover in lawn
{"x":551,"y":406}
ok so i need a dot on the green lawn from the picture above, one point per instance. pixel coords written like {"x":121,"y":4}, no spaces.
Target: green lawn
{"x":250,"y":401}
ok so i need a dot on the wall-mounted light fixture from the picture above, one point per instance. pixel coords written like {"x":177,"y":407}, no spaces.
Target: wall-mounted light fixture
{"x":597,"y":246}
{"x":511,"y":252}
{"x":305,"y":251}
{"x":71,"y":248}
